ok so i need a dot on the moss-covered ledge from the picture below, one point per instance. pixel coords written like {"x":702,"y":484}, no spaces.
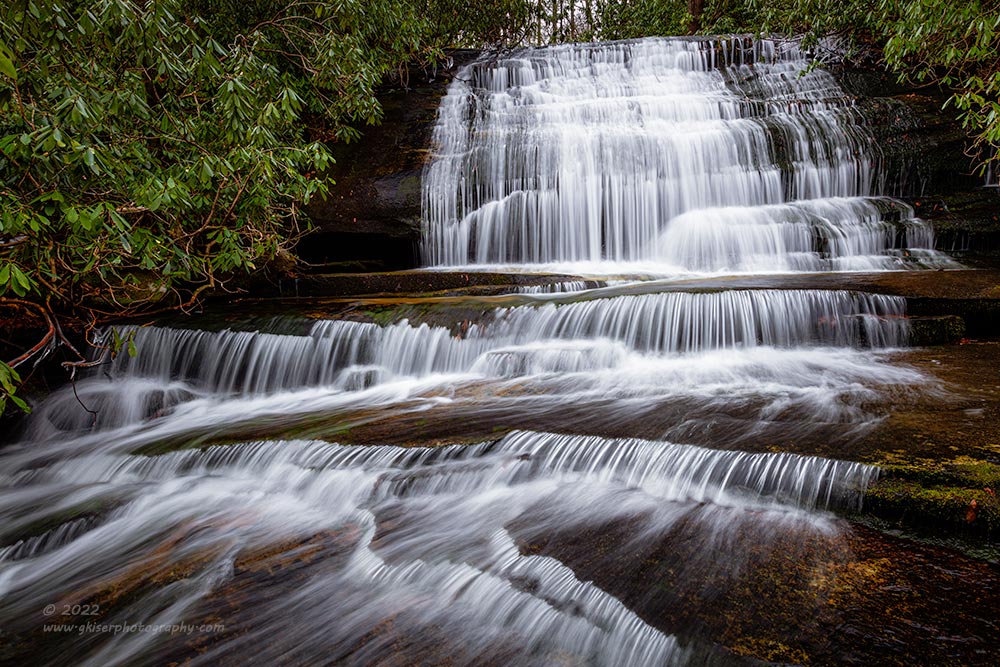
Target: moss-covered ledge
{"x":947,"y":500}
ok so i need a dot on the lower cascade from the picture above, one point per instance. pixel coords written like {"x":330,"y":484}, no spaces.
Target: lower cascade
{"x":451,"y":561}
{"x":162,"y":504}
{"x":571,"y":473}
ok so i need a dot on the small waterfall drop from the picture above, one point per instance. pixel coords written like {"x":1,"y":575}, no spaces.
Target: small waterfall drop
{"x":591,"y":336}
{"x":337,"y":352}
{"x":467,"y":574}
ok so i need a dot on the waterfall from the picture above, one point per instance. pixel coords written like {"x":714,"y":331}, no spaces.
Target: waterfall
{"x":701,"y":155}
{"x":564,"y":286}
{"x":338,"y":353}
{"x":562,"y":474}
{"x":669,"y":343}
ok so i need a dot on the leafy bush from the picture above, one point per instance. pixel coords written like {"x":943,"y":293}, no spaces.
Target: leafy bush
{"x":150,"y":150}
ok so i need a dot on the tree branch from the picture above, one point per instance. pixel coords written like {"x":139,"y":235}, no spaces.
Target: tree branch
{"x":46,"y":339}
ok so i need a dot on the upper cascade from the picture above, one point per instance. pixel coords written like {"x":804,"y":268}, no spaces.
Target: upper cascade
{"x":723,"y":154}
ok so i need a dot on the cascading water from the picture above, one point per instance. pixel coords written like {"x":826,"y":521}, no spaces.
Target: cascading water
{"x":202,"y":486}
{"x":471,"y":493}
{"x":596,"y":340}
{"x":697,"y":155}
{"x":255,"y":363}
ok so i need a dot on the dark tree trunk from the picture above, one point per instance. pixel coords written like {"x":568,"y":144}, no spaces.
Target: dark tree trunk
{"x":695,"y":9}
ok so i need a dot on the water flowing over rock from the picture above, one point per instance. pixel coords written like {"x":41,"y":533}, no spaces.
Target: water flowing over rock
{"x":253,"y":363}
{"x":701,"y":155}
{"x":432,"y":485}
{"x":295,"y":487}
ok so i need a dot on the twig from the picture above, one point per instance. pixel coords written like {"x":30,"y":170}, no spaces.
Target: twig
{"x":46,"y":339}
{"x":17,"y":240}
{"x":93,"y":413}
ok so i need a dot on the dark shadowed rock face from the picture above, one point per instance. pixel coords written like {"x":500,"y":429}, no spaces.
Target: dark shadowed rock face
{"x":371,"y":217}
{"x":922,"y":144}
{"x":923,"y":151}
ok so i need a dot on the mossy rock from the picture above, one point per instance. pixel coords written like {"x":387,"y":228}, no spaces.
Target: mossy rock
{"x":950,"y":498}
{"x":769,"y":650}
{"x":936,"y":330}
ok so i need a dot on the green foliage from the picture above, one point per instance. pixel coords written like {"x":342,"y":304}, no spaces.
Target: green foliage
{"x":7,"y":63}
{"x":147,"y":145}
{"x":640,"y":18}
{"x":955,"y":44}
{"x":958,"y":45}
{"x":493,"y":23}
{"x":136,"y":151}
{"x":118,"y":341}
{"x":732,"y":16}
{"x":505,"y":23}
{"x":811,"y":18}
{"x":9,"y":382}
{"x":149,"y":150}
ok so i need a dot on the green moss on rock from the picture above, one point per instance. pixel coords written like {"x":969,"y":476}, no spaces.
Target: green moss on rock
{"x":957,"y":497}
{"x":936,"y":330}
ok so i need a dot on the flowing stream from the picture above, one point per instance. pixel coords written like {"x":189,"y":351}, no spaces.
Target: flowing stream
{"x":216,"y":503}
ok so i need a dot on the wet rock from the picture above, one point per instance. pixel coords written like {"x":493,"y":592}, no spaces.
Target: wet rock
{"x":945,"y":498}
{"x":370,"y":219}
{"x":925,"y":159}
{"x":922,"y":143}
{"x":936,"y":330}
{"x":981,"y":318}
{"x":967,"y":223}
